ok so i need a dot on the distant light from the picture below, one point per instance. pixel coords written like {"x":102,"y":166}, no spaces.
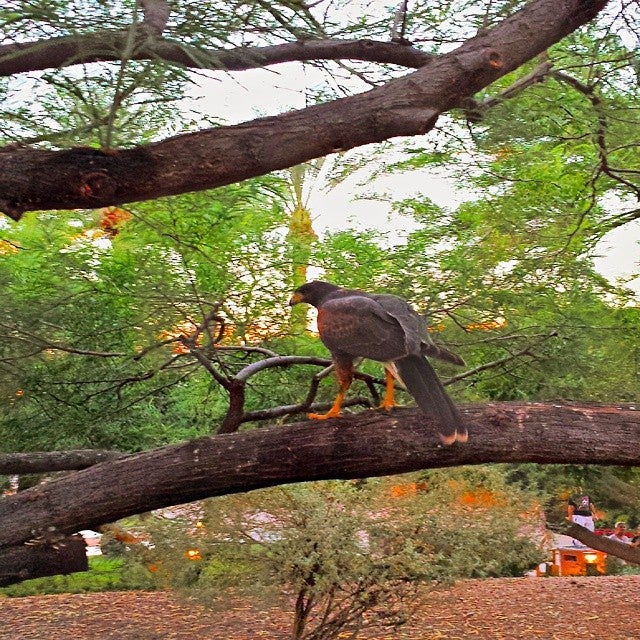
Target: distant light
{"x":193,"y":554}
{"x":590,"y":558}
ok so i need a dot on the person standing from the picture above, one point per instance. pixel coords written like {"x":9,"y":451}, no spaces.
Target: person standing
{"x":582,"y":511}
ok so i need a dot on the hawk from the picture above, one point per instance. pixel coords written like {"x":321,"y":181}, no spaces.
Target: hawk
{"x":354,"y":324}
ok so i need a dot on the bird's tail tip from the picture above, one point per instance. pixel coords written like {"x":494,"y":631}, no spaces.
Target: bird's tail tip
{"x":456,"y":436}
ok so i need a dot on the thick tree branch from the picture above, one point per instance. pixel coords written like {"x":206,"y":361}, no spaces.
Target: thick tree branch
{"x":51,"y":461}
{"x":33,"y":179}
{"x":44,"y":558}
{"x":109,"y":45}
{"x":371,"y":443}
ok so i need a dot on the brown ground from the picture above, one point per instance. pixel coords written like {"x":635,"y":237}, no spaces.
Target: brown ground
{"x":607,"y":608}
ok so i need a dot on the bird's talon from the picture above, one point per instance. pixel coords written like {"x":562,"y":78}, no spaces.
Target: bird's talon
{"x":322,"y":416}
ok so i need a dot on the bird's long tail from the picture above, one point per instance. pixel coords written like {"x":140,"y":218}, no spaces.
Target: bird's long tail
{"x":421,"y":381}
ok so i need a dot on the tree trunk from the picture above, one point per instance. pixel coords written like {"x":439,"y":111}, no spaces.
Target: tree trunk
{"x":48,"y":558}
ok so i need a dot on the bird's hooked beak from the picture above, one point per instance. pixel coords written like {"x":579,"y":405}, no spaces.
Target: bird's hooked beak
{"x":295,"y":299}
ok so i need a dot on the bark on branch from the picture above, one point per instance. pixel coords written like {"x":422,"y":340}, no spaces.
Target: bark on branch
{"x":52,"y":461}
{"x":371,"y":443}
{"x":108,"y":46}
{"x":32,"y":179}
{"x":47,"y":558}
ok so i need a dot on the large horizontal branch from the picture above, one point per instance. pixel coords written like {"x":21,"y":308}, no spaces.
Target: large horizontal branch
{"x":52,"y":461}
{"x":32,"y":179}
{"x":110,"y":45}
{"x":372,"y":443}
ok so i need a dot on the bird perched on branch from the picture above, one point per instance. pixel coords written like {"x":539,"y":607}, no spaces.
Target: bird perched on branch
{"x":354,"y":324}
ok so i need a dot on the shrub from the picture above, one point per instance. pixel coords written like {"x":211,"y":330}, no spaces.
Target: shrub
{"x":348,"y":554}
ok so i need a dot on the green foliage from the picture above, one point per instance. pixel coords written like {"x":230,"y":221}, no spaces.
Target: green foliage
{"x":80,"y":308}
{"x":480,"y":525}
{"x":104,"y":574}
{"x":507,"y":276}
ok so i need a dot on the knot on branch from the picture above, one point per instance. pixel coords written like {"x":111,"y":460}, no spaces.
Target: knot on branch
{"x":98,"y":184}
{"x":480,"y":59}
{"x":12,"y":208}
{"x":499,"y":417}
{"x":494,"y":60}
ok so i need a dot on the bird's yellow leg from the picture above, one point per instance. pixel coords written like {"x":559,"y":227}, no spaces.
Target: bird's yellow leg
{"x":388,"y":402}
{"x":344,"y":373}
{"x":334,"y":412}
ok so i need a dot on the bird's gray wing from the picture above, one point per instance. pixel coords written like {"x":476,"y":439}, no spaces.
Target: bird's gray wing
{"x":359,"y":326}
{"x":403,"y":313}
{"x":417,"y":337}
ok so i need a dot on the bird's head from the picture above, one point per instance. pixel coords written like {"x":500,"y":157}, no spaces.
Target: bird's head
{"x":312,"y":293}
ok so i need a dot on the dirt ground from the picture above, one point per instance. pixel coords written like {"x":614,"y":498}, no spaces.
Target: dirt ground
{"x":504,"y":609}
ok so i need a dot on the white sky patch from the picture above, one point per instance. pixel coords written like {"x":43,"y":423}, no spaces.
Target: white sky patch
{"x":368,"y":206}
{"x":242,"y":96}
{"x":619,"y":254}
